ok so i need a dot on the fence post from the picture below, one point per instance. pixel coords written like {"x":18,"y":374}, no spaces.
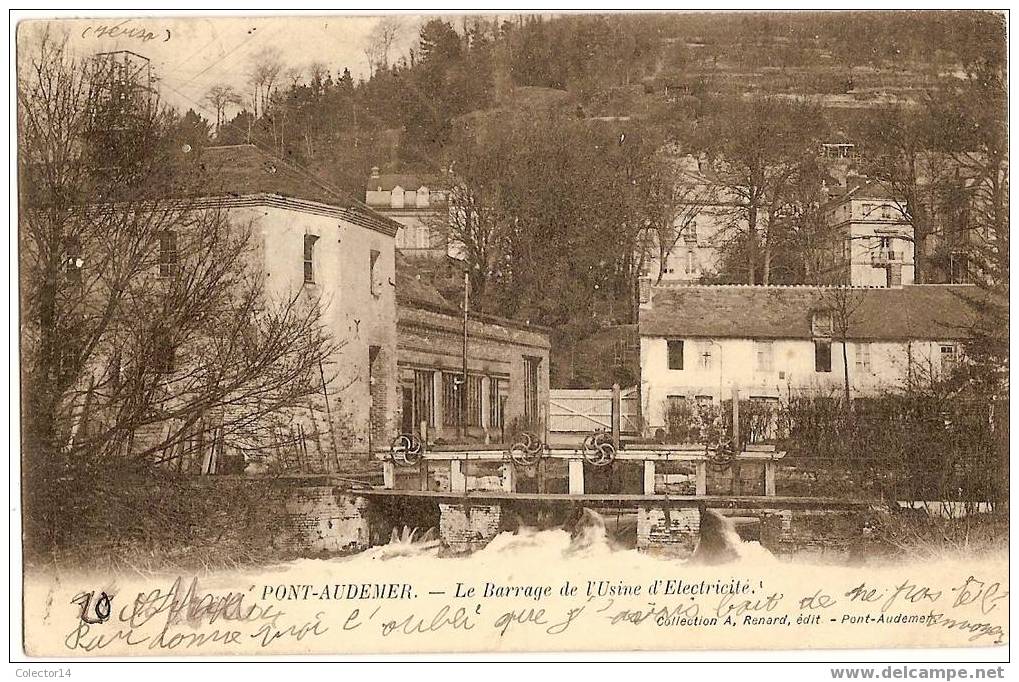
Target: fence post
{"x":576,"y":474}
{"x":457,"y":477}
{"x":423,"y":465}
{"x":649,"y":477}
{"x":617,"y":409}
{"x":388,"y":475}
{"x":702,"y":478}
{"x":509,"y":477}
{"x":737,"y":449}
{"x":769,"y":478}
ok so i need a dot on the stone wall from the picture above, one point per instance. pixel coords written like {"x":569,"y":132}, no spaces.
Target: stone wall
{"x":290,"y":517}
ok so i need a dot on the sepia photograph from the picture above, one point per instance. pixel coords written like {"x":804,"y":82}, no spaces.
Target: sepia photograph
{"x":507,"y":333}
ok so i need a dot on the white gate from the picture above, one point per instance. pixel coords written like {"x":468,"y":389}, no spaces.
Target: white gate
{"x":586,"y":410}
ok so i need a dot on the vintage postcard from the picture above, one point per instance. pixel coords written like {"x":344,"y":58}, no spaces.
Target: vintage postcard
{"x":512,"y":332}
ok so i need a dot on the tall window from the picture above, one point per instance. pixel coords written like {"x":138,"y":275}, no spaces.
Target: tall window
{"x":949,"y":357}
{"x":309,"y":257}
{"x":764,"y":356}
{"x":164,"y":355}
{"x":691,"y":262}
{"x":424,"y":398}
{"x":531,"y":366}
{"x":373,"y":272}
{"x":73,"y":262}
{"x":675,"y":347}
{"x":863,"y":357}
{"x":450,"y":399}
{"x":474,"y":393}
{"x":495,"y":402}
{"x":167,"y":253}
{"x":822,"y":355}
{"x":690,"y":234}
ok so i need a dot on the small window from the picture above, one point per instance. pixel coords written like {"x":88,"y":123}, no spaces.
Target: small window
{"x":863,"y":357}
{"x":675,"y":353}
{"x":309,"y":257}
{"x":690,"y":234}
{"x":373,"y":271}
{"x":704,"y":355}
{"x":822,"y":355}
{"x":764,"y":356}
{"x":167,"y":253}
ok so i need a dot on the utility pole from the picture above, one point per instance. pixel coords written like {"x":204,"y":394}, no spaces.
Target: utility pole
{"x":463,"y":385}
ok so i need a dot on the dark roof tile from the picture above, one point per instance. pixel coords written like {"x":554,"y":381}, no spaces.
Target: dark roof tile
{"x":935,"y":312}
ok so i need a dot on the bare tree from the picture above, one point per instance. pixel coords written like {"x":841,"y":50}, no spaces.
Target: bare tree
{"x":676,"y":200}
{"x":219,"y":97}
{"x":145,"y":328}
{"x":842,"y":304}
{"x":380,"y":42}
{"x":294,"y":76}
{"x":263,"y":72}
{"x":758,"y":148}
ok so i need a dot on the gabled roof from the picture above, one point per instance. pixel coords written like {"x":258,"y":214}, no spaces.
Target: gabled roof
{"x":245,"y":170}
{"x":933,"y":312}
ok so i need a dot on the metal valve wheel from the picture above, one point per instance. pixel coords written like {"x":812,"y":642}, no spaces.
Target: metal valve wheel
{"x":599,"y":450}
{"x":405,"y":450}
{"x":527,"y":451}
{"x":721,"y":453}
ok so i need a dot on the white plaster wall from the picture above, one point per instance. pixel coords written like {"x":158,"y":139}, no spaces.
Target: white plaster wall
{"x":356,"y":316}
{"x":734,"y":364}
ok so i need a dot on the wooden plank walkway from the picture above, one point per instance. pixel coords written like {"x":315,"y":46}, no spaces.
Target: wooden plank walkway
{"x":621,"y":500}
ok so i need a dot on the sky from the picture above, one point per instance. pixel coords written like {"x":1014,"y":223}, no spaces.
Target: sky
{"x":189,"y":55}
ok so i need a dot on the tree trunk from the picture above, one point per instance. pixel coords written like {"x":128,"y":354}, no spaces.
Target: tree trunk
{"x":845,"y":372}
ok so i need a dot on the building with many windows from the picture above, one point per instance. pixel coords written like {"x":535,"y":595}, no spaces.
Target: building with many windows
{"x":698,"y":343}
{"x":507,"y":368}
{"x":418,"y":203}
{"x":871,"y":241}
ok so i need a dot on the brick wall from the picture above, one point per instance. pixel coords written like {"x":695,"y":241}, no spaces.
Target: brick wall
{"x":465,"y":528}
{"x":673,"y":528}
